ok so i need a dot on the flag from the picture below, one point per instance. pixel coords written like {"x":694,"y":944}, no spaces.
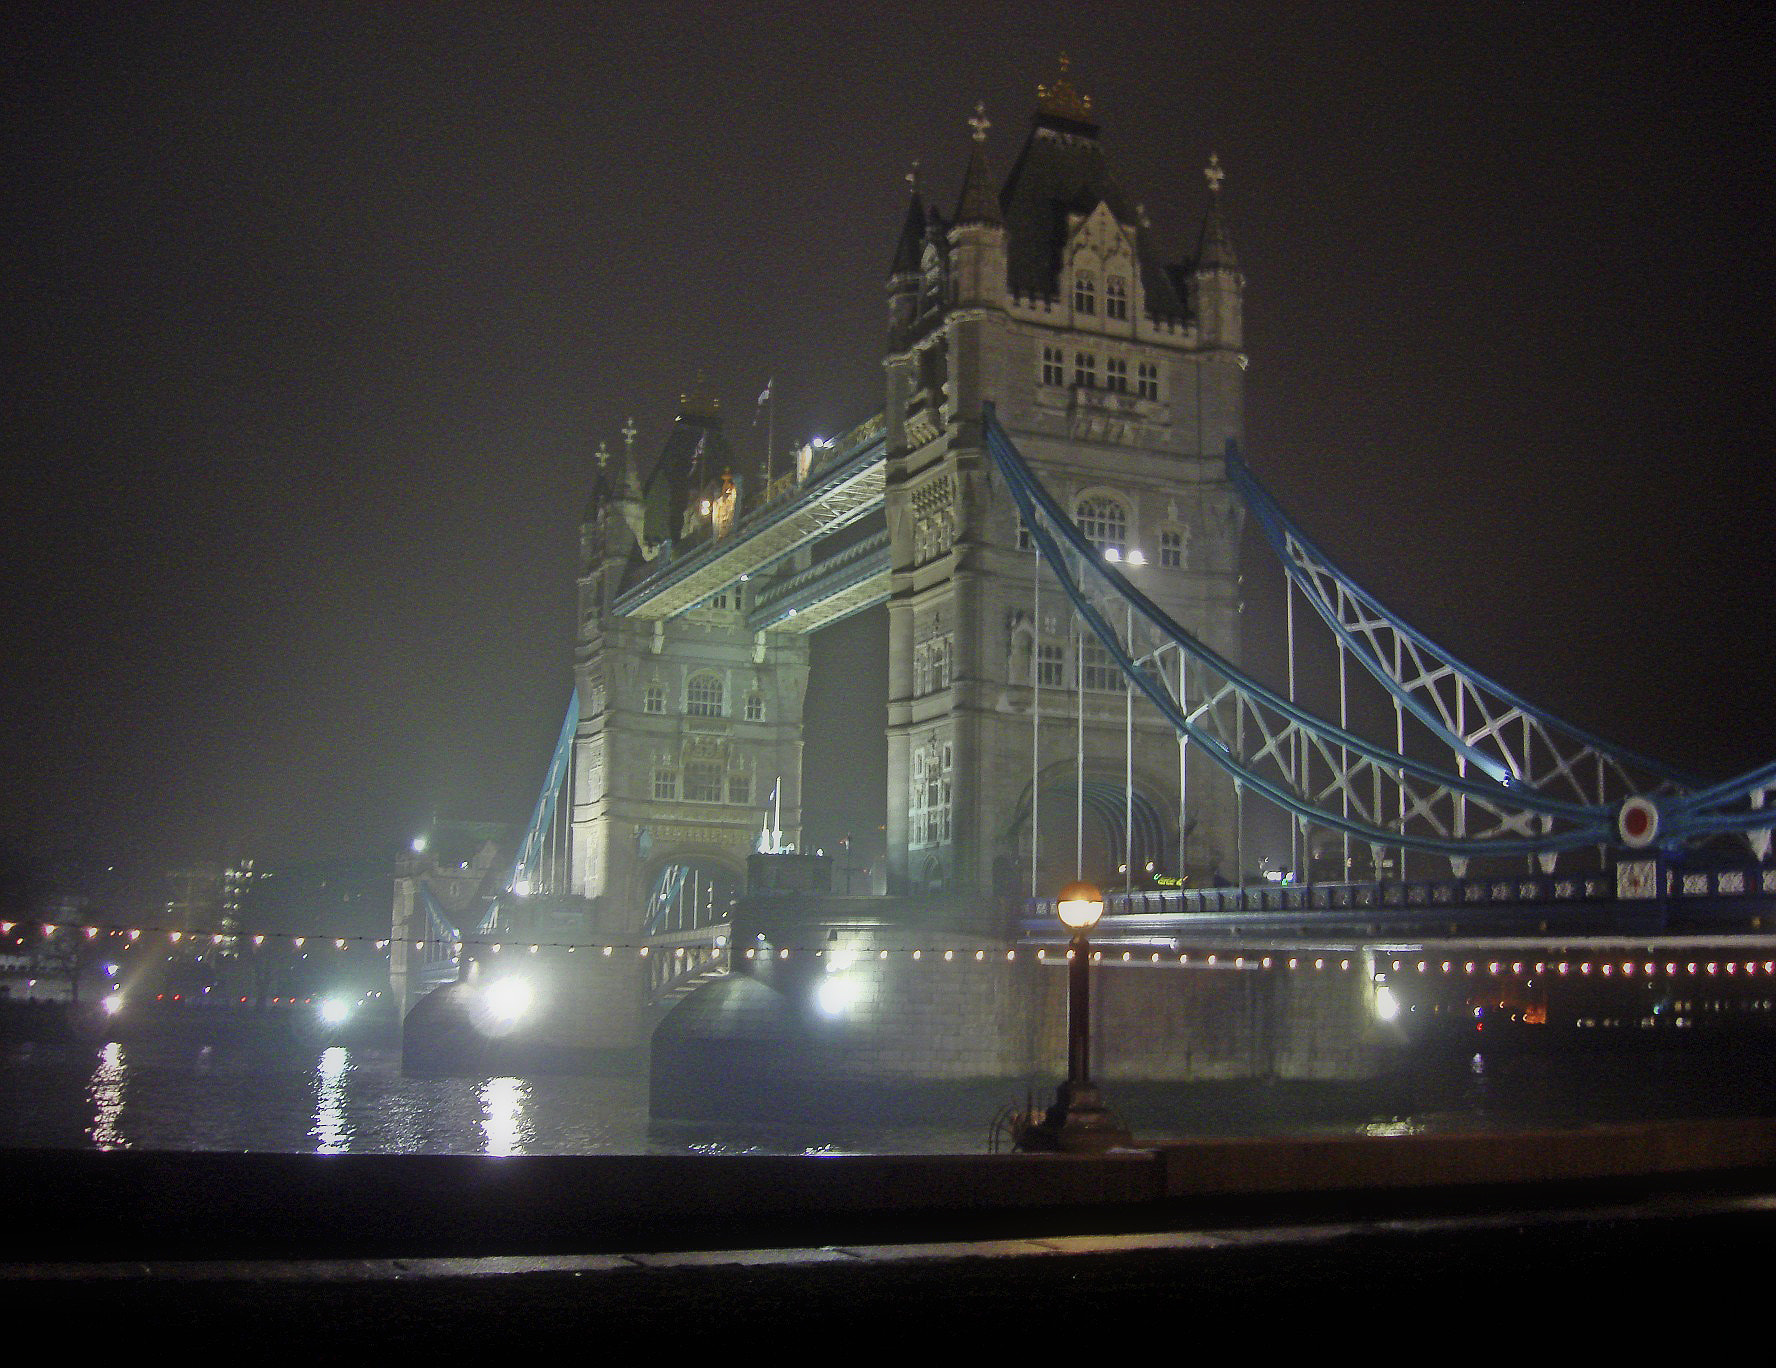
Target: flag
{"x":764,"y":398}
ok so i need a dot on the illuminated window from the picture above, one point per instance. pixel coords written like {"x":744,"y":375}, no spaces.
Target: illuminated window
{"x":665,"y":782}
{"x":755,"y":707}
{"x":1116,"y":298}
{"x":703,"y":695}
{"x":1103,"y":522}
{"x":1051,"y":668}
{"x":1085,"y":293}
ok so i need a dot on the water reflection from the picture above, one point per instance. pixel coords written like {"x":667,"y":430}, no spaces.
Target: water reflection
{"x":105,"y":1092}
{"x":331,"y":1131}
{"x":504,"y":1123}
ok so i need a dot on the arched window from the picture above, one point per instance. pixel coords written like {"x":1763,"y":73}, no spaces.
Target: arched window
{"x":1085,"y":293}
{"x":1103,"y":522}
{"x":654,"y":699}
{"x":703,"y":695}
{"x":1116,"y":304}
{"x":755,"y":707}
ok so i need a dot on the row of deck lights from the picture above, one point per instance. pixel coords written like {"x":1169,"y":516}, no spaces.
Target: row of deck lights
{"x":1627,"y":968}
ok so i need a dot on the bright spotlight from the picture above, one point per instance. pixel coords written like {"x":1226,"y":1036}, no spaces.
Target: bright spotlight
{"x":522,"y":888}
{"x":335,"y":1010}
{"x":1387,"y":1006}
{"x":508,"y":1000}
{"x":836,"y":994}
{"x":112,"y":1005}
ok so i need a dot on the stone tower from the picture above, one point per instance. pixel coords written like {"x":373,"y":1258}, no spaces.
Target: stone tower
{"x":687,"y":724}
{"x":1119,"y":376}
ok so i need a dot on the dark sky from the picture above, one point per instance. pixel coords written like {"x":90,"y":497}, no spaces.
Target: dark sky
{"x":316,"y":312}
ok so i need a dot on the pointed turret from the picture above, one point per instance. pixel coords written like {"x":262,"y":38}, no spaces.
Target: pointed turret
{"x":1215,"y":280}
{"x":980,"y":200}
{"x":903,"y":275}
{"x":912,"y":231}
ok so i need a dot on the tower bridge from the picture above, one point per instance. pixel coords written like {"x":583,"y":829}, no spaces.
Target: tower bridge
{"x":1051,"y":503}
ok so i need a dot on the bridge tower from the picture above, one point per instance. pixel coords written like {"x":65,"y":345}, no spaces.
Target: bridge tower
{"x":1119,"y":375}
{"x":687,"y":725}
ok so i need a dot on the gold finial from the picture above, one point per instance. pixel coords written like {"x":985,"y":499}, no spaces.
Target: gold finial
{"x":602,"y":456}
{"x":1061,"y":99}
{"x":980,"y":123}
{"x":629,"y":432}
{"x":1214,"y":174}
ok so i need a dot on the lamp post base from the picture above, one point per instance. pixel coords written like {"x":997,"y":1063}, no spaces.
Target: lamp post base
{"x":1078,"y":1123}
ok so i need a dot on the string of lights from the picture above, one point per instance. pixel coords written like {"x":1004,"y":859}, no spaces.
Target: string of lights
{"x":1601,"y":966}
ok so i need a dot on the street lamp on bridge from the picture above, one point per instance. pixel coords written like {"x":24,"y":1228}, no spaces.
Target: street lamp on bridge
{"x":1078,"y":1123}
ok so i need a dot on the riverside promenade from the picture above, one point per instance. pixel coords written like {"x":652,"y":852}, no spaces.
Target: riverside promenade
{"x":349,"y":1253}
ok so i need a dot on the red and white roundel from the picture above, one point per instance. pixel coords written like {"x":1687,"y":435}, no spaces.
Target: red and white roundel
{"x":1638,"y":822}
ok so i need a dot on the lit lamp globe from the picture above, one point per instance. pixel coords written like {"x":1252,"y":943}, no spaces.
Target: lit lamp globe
{"x":1080,"y":905}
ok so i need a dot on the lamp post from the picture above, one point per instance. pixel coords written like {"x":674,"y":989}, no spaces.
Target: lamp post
{"x":1078,"y":1123}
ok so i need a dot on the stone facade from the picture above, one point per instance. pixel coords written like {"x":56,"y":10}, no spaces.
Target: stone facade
{"x":1120,"y":378}
{"x":688,"y":725}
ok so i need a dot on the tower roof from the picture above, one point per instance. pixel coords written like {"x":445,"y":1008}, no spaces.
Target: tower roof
{"x":694,"y":452}
{"x":1060,"y":172}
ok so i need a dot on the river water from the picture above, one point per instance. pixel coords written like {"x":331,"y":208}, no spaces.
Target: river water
{"x":288,"y":1097}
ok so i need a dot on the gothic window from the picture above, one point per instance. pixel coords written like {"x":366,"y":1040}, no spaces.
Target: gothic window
{"x":1147,"y":380}
{"x":1103,"y":522}
{"x":1054,"y":366}
{"x":703,"y":781}
{"x":1085,"y":370}
{"x":1171,"y":550}
{"x":1115,"y":297}
{"x":654,"y":700}
{"x":755,"y":707}
{"x":665,"y":782}
{"x":1051,"y":667}
{"x":1085,"y":293}
{"x":931,"y":791}
{"x":1116,"y":375}
{"x":703,"y":695}
{"x":1097,"y":669}
{"x":719,"y":600}
{"x":739,"y":788}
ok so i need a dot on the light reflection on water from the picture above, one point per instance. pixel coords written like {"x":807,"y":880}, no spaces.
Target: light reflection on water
{"x":105,"y":1092}
{"x":331,"y":1131}
{"x":502,"y":1115}
{"x":172,"y":1095}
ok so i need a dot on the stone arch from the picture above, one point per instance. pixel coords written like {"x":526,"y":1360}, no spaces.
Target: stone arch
{"x":1151,"y":839}
{"x":690,"y":886}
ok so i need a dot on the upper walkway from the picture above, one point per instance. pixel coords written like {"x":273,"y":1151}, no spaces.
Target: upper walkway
{"x":837,"y":495}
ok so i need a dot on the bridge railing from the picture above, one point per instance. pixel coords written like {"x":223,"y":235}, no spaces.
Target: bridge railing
{"x":1733,"y":882}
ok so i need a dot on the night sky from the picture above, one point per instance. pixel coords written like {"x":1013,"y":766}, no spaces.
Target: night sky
{"x":316,"y":313}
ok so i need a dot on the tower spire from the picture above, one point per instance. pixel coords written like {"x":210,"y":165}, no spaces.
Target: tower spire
{"x":1214,"y":249}
{"x":912,"y":230}
{"x":980,"y":201}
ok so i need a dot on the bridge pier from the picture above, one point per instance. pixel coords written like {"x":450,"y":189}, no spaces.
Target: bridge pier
{"x":858,"y":1008}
